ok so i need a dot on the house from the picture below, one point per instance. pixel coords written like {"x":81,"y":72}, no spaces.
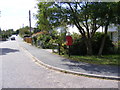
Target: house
{"x":113,"y":32}
{"x":38,"y":33}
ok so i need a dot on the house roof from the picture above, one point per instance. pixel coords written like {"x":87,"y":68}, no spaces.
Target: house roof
{"x":38,"y":33}
{"x":112,"y":29}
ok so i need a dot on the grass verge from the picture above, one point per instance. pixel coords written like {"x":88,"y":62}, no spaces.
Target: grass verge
{"x":104,"y":60}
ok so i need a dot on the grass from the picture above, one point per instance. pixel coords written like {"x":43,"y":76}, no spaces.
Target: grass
{"x":104,"y":60}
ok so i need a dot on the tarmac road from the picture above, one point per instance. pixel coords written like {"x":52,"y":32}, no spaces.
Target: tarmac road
{"x":18,"y":70}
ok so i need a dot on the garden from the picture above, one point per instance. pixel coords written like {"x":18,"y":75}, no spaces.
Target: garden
{"x":78,"y":50}
{"x":89,"y":45}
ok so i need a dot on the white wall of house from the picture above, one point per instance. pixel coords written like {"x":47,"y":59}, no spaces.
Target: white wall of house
{"x":73,"y":29}
{"x":113,"y":32}
{"x":114,"y":36}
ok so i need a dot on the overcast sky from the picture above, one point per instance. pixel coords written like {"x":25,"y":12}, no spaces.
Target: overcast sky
{"x":15,"y":13}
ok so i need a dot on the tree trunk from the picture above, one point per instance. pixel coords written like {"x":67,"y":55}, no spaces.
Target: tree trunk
{"x":103,"y":41}
{"x":102,"y":46}
{"x":118,"y":41}
{"x":88,"y":44}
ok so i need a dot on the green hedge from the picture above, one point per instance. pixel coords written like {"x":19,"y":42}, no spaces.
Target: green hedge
{"x":79,"y":47}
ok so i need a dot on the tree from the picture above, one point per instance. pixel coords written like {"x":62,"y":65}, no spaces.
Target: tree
{"x":111,"y":16}
{"x":4,"y":34}
{"x":88,"y":17}
{"x":24,"y":31}
{"x":43,"y":14}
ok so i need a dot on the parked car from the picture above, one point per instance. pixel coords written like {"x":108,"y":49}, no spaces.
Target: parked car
{"x":12,"y":38}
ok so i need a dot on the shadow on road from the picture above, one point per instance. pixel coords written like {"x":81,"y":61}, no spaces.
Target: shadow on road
{"x":4,"y":51}
{"x":92,"y":67}
{"x":3,"y":41}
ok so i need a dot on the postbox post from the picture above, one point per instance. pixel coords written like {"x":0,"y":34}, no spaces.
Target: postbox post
{"x":69,"y":43}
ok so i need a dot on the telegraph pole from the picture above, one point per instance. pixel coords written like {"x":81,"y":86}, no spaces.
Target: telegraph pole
{"x":0,"y":13}
{"x":30,"y":21}
{"x":0,"y":21}
{"x":30,"y":39}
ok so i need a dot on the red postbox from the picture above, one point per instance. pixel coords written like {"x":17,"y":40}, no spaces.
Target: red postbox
{"x":69,"y":40}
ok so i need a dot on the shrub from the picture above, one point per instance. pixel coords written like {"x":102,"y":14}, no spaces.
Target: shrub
{"x":96,"y":42}
{"x":44,"y":41}
{"x":79,"y":47}
{"x":34,"y":40}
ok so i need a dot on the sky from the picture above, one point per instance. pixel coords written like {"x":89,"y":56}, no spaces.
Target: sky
{"x":15,"y":13}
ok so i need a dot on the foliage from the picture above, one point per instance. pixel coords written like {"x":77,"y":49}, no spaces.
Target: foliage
{"x":108,"y":47}
{"x":43,"y":15}
{"x":86,"y":16}
{"x":17,"y":32}
{"x":6,"y":34}
{"x":44,"y":40}
{"x":34,"y":41}
{"x":51,"y":41}
{"x":24,"y":31}
{"x":36,"y":30}
{"x":79,"y":48}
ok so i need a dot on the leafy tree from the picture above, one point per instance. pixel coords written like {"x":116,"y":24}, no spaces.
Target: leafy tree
{"x":4,"y":34}
{"x":44,"y":39}
{"x":17,"y":32}
{"x":36,"y":30}
{"x":109,"y":16}
{"x":24,"y":31}
{"x":88,"y":17}
{"x":79,"y":47}
{"x":108,"y":47}
{"x":43,"y":13}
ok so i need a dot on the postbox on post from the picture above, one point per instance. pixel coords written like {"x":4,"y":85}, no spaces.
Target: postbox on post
{"x":69,"y":42}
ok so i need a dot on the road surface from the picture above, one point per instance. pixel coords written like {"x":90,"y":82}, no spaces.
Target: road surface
{"x":18,"y":70}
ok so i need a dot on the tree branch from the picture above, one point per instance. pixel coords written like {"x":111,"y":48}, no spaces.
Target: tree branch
{"x":76,"y":21}
{"x":87,"y":28}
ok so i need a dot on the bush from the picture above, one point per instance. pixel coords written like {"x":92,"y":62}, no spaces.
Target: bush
{"x":118,"y":48}
{"x":34,"y":41}
{"x":44,"y":41}
{"x":96,"y":42}
{"x":79,"y":47}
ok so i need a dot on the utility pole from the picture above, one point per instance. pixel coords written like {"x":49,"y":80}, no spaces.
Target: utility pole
{"x":0,"y":13}
{"x":0,"y":21}
{"x":30,"y":21}
{"x":30,"y":39}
